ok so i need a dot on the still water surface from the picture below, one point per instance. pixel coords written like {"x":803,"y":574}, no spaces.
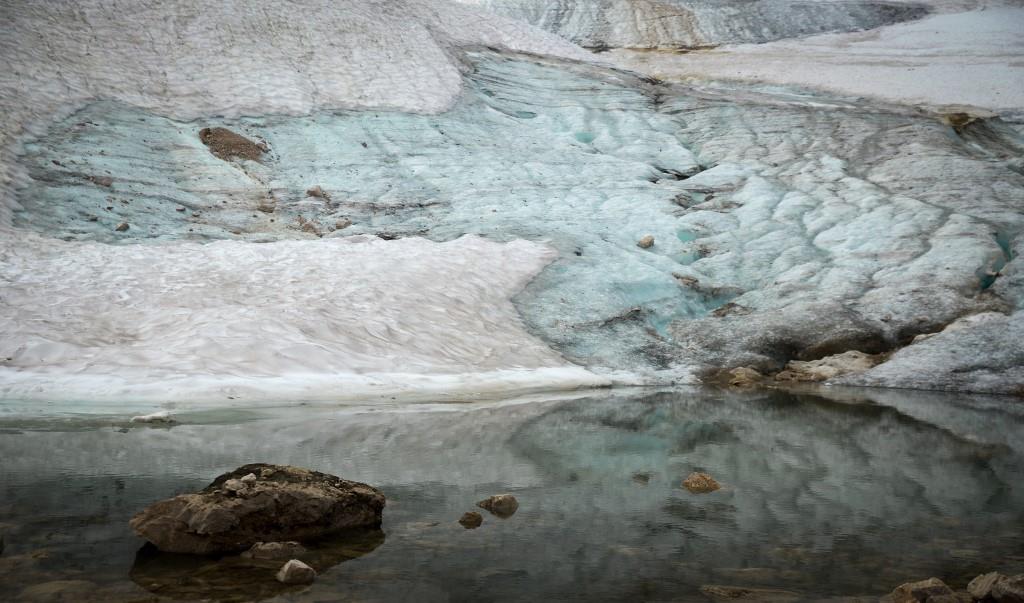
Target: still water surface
{"x":844,"y":495}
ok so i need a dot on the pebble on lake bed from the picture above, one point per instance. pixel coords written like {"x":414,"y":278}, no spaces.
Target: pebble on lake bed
{"x":646,"y":242}
{"x":502,"y":505}
{"x":700,"y":483}
{"x":296,"y":572}
{"x":471,"y":520}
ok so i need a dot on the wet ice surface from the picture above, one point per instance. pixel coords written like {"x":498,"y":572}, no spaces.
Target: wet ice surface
{"x":843,"y":496}
{"x":786,"y":225}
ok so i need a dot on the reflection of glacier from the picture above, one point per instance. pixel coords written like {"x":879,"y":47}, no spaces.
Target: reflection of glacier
{"x":803,"y":226}
{"x":696,"y":23}
{"x":825,"y":496}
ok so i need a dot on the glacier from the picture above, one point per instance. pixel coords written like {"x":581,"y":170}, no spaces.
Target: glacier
{"x":457,"y":213}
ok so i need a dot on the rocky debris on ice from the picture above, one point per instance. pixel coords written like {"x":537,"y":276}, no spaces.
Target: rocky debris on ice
{"x":471,"y":520}
{"x":122,"y":227}
{"x":500,"y":505}
{"x":282,"y":504}
{"x":296,"y":572}
{"x":274,"y":550}
{"x":829,"y":367}
{"x":228,"y":145}
{"x":645,"y":242}
{"x":701,"y":483}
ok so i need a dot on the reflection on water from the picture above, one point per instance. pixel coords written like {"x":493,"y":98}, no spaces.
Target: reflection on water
{"x":847,"y":495}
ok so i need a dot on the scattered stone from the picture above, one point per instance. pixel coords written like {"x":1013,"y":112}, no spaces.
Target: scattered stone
{"x":179,"y":209}
{"x":93,"y":218}
{"x":730,"y":309}
{"x":646,"y":242}
{"x":274,"y":550}
{"x":342,"y":224}
{"x":829,"y":367}
{"x":744,"y":377}
{"x":123,"y":226}
{"x":296,"y":572}
{"x":1009,"y":590}
{"x":157,"y":417}
{"x":226,"y":145}
{"x":700,"y":483}
{"x":319,"y":193}
{"x":106,"y":181}
{"x":248,"y":479}
{"x":471,"y":520}
{"x":931,"y":590}
{"x":717,"y":592}
{"x":981,"y":586}
{"x":267,"y":206}
{"x":501,"y":505}
{"x":283,"y":504}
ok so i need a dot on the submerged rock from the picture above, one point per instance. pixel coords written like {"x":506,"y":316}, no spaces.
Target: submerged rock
{"x":718,"y":592}
{"x":282,"y":504}
{"x":471,"y":520}
{"x":296,"y":572}
{"x":274,"y":550}
{"x":501,"y":505}
{"x":700,"y":483}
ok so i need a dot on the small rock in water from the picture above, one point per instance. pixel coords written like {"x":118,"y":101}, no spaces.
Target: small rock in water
{"x":700,"y":483}
{"x":471,"y":520}
{"x":274,"y":550}
{"x":932,"y":589}
{"x":296,"y":572}
{"x":502,"y":505}
{"x":158,"y":417}
{"x":646,"y":242}
{"x":981,"y":586}
{"x":1009,"y":590}
{"x":123,"y":226}
{"x":642,"y":478}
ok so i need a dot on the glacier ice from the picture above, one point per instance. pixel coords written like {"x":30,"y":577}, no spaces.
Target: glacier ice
{"x":785,"y":228}
{"x":697,"y":23}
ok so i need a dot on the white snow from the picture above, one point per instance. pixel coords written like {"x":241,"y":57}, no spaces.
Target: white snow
{"x":338,"y":319}
{"x":970,"y":58}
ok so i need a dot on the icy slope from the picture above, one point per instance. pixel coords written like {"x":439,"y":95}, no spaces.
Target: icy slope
{"x":192,"y":58}
{"x":970,"y":58}
{"x":602,"y":24}
{"x":786,"y":227}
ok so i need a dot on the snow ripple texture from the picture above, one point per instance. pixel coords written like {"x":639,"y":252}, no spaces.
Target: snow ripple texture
{"x":697,"y":23}
{"x":786,"y":226}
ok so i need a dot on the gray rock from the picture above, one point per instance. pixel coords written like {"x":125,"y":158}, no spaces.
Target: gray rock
{"x":923,"y":591}
{"x":501,"y":505}
{"x":981,"y":586}
{"x":1010,"y":590}
{"x":296,"y":572}
{"x":282,"y":504}
{"x":646,"y":242}
{"x":123,"y":226}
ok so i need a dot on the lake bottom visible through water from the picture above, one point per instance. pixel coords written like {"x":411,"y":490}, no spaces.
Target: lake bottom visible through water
{"x":842,"y":493}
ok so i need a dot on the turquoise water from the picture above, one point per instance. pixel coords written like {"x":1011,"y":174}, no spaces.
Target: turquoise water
{"x":849,"y":494}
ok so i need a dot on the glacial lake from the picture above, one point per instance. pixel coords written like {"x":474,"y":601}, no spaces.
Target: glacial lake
{"x":824,"y":494}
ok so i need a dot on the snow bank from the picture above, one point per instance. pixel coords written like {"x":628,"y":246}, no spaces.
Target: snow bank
{"x":341,"y":318}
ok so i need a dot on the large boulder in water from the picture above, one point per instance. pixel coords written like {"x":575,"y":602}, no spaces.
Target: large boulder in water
{"x":259,"y":503}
